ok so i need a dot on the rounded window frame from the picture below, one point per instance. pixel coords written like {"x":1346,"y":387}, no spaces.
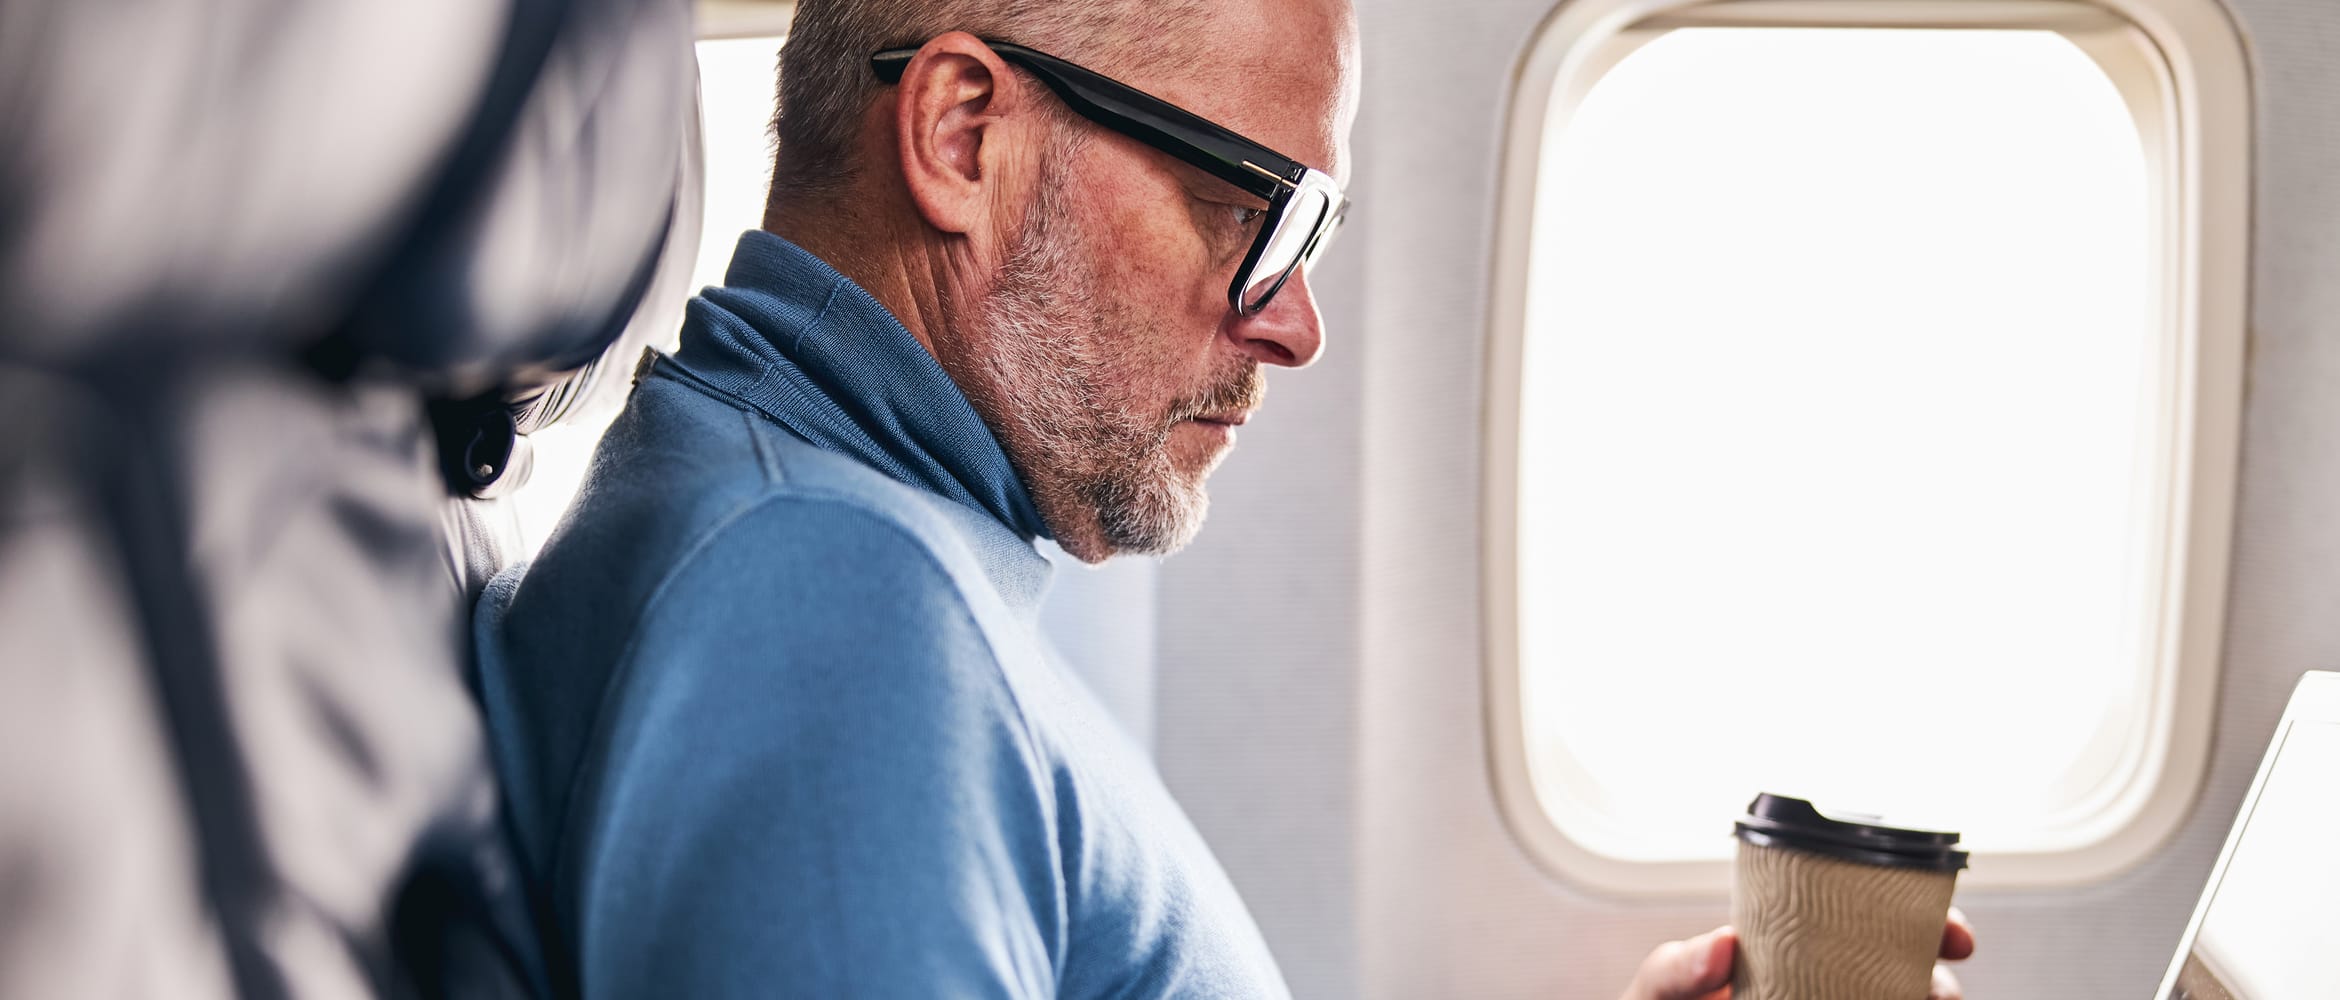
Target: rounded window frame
{"x":2182,"y":67}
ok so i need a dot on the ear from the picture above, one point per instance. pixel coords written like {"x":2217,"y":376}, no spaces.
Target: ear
{"x":958,"y":117}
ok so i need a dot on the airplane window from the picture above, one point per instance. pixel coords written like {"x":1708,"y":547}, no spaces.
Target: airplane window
{"x":736,"y":77}
{"x":1845,"y":440}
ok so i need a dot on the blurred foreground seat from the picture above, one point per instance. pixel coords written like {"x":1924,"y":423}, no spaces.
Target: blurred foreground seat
{"x":244,"y":245}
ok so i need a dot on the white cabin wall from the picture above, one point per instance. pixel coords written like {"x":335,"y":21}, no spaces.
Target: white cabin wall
{"x":1101,"y":620}
{"x":1256,"y":698}
{"x":1319,"y":702}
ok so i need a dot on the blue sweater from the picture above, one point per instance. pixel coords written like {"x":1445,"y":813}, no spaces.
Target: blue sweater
{"x":773,"y":715}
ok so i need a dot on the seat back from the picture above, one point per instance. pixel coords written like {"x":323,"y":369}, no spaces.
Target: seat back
{"x":242,"y":245}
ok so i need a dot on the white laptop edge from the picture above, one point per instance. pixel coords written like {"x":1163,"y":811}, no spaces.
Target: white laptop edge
{"x":2316,"y":699}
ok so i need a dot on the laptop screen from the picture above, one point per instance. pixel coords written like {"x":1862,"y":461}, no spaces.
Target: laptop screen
{"x":2272,"y":929}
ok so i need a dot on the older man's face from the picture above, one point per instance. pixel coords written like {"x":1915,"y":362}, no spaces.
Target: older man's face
{"x":1115,"y":369}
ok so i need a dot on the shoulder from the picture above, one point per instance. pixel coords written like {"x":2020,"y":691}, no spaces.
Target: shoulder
{"x":815,"y":649}
{"x":822,"y":573}
{"x":811,"y":758}
{"x":716,"y":575}
{"x":694,"y":458}
{"x":693,"y":499}
{"x":792,"y":572}
{"x":812,"y":621}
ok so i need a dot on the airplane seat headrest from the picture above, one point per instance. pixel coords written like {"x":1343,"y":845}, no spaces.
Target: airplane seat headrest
{"x":485,"y":453}
{"x":469,"y":194}
{"x":547,"y":230}
{"x":194,"y":178}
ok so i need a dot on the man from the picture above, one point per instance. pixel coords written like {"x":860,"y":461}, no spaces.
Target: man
{"x":771,"y":709}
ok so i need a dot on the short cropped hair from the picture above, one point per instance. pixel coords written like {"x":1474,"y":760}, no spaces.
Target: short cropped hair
{"x":826,"y":83}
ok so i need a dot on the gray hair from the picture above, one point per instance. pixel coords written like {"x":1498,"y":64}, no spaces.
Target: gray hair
{"x":826,"y":83}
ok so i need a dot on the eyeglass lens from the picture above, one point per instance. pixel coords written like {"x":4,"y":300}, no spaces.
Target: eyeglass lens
{"x":1294,"y":232}
{"x":1324,"y":238}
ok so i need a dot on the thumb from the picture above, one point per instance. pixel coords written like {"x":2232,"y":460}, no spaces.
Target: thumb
{"x":1686,"y":970}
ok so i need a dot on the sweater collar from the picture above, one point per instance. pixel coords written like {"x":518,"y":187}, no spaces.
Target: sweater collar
{"x":789,"y":335}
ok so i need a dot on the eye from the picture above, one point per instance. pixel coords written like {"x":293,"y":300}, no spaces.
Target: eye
{"x":1227,"y":224}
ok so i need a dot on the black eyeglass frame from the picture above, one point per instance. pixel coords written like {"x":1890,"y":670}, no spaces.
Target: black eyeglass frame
{"x":1249,"y":166}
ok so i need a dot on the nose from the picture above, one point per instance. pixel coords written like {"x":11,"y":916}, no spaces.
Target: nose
{"x":1289,"y":333}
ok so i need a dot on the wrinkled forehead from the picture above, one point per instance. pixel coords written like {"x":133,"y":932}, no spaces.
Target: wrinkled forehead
{"x":1281,"y":72}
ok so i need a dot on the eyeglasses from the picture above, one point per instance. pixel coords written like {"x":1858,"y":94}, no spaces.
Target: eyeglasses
{"x":1305,"y":206}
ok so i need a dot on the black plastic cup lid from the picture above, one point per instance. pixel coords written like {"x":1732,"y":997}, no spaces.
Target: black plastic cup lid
{"x":1779,"y":821}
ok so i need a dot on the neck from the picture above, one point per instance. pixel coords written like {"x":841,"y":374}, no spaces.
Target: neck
{"x":901,"y":266}
{"x":926,"y":282}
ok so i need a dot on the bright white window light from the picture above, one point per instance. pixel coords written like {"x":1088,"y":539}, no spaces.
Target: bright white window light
{"x":1839,"y":439}
{"x":736,"y":76}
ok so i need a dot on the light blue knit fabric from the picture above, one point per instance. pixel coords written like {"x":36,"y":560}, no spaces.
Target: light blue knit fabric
{"x":773,"y":716}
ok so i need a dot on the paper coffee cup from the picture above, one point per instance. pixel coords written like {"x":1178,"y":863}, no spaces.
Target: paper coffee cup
{"x":1830,"y":909}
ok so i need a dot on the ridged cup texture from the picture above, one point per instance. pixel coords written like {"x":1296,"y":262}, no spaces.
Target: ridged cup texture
{"x":1819,"y":928}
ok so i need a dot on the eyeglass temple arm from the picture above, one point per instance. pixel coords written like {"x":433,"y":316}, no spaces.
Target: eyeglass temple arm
{"x":1181,"y":133}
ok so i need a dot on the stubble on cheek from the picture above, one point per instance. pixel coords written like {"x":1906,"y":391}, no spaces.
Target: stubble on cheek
{"x":1058,"y":366}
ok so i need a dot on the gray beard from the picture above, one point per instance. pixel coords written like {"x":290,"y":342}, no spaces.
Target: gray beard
{"x":1040,"y":376}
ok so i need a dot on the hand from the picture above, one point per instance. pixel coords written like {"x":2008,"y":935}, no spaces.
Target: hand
{"x":1700,"y":968}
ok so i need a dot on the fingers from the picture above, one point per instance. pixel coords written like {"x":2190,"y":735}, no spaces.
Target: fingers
{"x":1945,"y":986}
{"x":1957,"y":937}
{"x":1699,"y":967}
{"x":1957,"y":943}
{"x":1686,"y":970}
